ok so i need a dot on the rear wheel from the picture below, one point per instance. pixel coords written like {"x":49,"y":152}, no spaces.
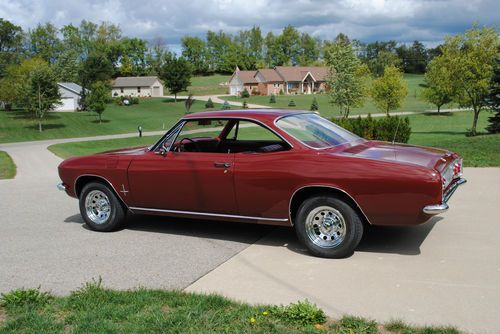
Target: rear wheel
{"x":328,"y":226}
{"x":100,"y":208}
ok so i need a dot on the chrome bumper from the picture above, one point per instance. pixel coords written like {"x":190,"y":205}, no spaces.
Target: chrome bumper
{"x":440,"y":208}
{"x":61,"y":186}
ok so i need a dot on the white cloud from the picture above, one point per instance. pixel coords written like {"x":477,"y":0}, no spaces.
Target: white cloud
{"x":403,"y":20}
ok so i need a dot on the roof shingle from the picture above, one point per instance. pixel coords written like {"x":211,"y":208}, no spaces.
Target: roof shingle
{"x":134,"y":81}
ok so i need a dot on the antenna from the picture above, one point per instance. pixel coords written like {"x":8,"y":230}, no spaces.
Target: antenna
{"x":396,"y":132}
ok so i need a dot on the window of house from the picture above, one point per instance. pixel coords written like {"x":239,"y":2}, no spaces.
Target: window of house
{"x":138,"y":89}
{"x":121,"y":89}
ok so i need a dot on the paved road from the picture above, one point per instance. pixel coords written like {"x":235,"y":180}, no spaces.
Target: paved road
{"x":43,"y":240}
{"x":446,"y":271}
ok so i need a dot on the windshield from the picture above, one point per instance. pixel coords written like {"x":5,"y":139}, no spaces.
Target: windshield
{"x":315,"y":131}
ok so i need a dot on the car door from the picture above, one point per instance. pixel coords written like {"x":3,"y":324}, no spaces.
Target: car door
{"x":191,"y":181}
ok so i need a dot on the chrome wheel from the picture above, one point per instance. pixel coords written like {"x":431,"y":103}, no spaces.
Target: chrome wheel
{"x":97,"y":207}
{"x":325,"y":227}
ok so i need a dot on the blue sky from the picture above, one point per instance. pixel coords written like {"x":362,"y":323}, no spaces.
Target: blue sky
{"x":404,"y":21}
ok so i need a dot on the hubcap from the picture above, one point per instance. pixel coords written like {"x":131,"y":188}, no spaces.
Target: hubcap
{"x":325,"y":227}
{"x":97,"y":206}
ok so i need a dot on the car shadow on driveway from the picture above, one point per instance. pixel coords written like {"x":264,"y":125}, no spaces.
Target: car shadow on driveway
{"x":403,"y":240}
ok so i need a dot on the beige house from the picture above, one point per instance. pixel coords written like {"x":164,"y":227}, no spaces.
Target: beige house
{"x":280,"y":79}
{"x":137,"y":86}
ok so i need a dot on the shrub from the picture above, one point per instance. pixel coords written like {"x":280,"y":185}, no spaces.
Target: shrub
{"x":131,"y":100}
{"x":226,"y":105}
{"x":282,"y":92}
{"x":272,"y":99}
{"x":245,"y":105}
{"x":291,"y":103}
{"x":314,"y":105}
{"x":209,"y":104}
{"x":382,"y":128}
{"x":21,"y":297}
{"x":245,"y":94}
{"x":301,"y":313}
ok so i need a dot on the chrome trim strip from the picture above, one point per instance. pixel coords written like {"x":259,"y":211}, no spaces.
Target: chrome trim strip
{"x":324,"y":186}
{"x":103,"y":178}
{"x":448,"y":192}
{"x":435,"y":209}
{"x":61,"y":186}
{"x":206,"y":214}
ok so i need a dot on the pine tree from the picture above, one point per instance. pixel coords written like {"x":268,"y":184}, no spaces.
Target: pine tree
{"x":291,"y":103}
{"x":272,"y":99}
{"x":314,"y":105}
{"x":226,"y":105}
{"x":209,"y":104}
{"x":493,"y":101}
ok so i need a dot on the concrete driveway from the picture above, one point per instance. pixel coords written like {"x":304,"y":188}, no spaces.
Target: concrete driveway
{"x":444,"y":272}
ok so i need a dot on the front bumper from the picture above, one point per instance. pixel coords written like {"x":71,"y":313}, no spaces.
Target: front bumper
{"x":440,"y":208}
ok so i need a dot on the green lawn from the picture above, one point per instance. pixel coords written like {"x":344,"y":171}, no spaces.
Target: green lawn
{"x":152,"y":114}
{"x":413,"y":100}
{"x":7,"y":166}
{"x":207,"y":85}
{"x":93,"y":309}
{"x":444,"y":131}
{"x":448,"y":131}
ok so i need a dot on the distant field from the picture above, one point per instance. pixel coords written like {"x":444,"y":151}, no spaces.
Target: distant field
{"x":413,"y":101}
{"x":207,"y":85}
{"x":152,"y":114}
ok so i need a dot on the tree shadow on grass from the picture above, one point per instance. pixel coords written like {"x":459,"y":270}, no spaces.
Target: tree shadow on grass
{"x":45,"y":126}
{"x":442,"y":113}
{"x":96,"y":121}
{"x":168,"y":100}
{"x":457,"y":133}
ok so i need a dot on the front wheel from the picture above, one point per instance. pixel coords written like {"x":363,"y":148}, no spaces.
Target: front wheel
{"x":100,"y":208}
{"x":328,"y":226}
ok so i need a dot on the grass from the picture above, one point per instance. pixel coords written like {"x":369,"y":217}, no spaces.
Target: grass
{"x":7,"y":166}
{"x":207,"y":85}
{"x":68,"y":150}
{"x":94,"y":309}
{"x":413,"y":100}
{"x":152,"y":114}
{"x":444,"y":131}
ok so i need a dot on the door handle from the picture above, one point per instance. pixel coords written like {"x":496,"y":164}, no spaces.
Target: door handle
{"x":222,"y":164}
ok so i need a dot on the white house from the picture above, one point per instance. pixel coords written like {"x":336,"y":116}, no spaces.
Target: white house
{"x":137,"y":86}
{"x":71,"y":93}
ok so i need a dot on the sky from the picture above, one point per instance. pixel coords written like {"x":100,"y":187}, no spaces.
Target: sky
{"x":404,"y":21}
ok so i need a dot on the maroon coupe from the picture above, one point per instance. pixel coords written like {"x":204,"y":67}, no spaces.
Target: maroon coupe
{"x":278,"y":167}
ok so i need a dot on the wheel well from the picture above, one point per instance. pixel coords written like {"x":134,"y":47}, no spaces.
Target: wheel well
{"x":83,"y":180}
{"x":304,"y":193}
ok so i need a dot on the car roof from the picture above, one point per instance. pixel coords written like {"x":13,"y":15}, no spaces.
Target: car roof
{"x":258,"y":114}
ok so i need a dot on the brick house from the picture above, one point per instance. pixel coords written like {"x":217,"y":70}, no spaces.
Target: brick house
{"x":280,"y":79}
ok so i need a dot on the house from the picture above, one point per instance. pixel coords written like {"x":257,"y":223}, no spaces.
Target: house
{"x":241,"y":80}
{"x":280,"y":80}
{"x":71,"y":94}
{"x":137,"y":86}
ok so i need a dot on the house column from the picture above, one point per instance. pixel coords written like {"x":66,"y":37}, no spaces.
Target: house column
{"x":286,"y":88}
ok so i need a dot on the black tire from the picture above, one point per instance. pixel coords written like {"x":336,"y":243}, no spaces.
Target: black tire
{"x":112,"y":218}
{"x":319,"y":238}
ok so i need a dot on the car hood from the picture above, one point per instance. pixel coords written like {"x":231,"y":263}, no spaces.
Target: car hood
{"x":423,"y":156}
{"x":128,"y":151}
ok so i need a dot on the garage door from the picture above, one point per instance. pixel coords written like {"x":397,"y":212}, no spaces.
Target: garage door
{"x":156,"y":91}
{"x":68,"y":104}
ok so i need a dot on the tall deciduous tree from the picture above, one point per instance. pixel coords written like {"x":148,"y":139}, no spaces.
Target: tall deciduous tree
{"x":194,"y":50}
{"x":44,"y":42}
{"x":347,"y":78}
{"x":383,"y":59}
{"x":11,"y":40}
{"x":96,"y":100}
{"x":470,"y":58}
{"x":493,"y":100}
{"x":176,"y":74}
{"x":390,"y":90}
{"x":438,"y":81}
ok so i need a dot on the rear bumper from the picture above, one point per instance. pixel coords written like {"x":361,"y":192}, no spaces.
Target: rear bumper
{"x":61,"y":186}
{"x":440,"y":208}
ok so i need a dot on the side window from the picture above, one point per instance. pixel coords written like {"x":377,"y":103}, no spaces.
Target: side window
{"x":250,"y":137}
{"x":199,"y":136}
{"x":251,"y":131}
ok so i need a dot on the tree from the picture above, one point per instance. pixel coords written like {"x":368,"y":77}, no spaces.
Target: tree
{"x":43,"y":42}
{"x":209,"y":104}
{"x":389,"y":91}
{"x":309,"y":50}
{"x":314,"y":105}
{"x":176,"y":74}
{"x":438,"y":90}
{"x":272,"y":99}
{"x":11,"y":40}
{"x":188,"y":103}
{"x":96,"y":100}
{"x":194,"y":50}
{"x":493,"y":100}
{"x":470,"y":58}
{"x":96,"y":67}
{"x":383,"y":59}
{"x":347,"y":79}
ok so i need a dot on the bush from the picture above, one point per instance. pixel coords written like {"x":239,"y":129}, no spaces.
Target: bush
{"x":272,"y":99}
{"x":282,"y":92}
{"x":314,"y":105}
{"x":209,"y":104}
{"x":291,"y":103}
{"x":301,"y":313}
{"x":226,"y":105}
{"x":21,"y":297}
{"x":245,"y":94}
{"x":245,"y":105}
{"x":131,"y":100}
{"x":382,"y":128}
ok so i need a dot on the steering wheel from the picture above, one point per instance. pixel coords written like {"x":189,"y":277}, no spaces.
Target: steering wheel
{"x":196,"y":146}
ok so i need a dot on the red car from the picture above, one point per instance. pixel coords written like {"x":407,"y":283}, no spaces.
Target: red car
{"x":278,"y":167}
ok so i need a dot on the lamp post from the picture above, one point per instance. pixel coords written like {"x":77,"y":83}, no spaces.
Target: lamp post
{"x":139,"y":128}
